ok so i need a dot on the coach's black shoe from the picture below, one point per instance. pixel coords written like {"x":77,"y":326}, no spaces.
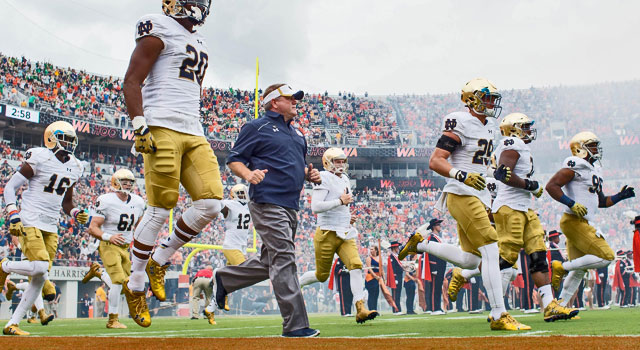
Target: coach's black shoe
{"x":221,"y":294}
{"x":301,"y":333}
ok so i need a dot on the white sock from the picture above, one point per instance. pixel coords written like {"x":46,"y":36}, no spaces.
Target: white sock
{"x":25,"y":267}
{"x":506,"y":275}
{"x":114,"y":298}
{"x":585,"y":262}
{"x":570,"y":286}
{"x":468,"y":273}
{"x":169,"y":246}
{"x":491,"y":278}
{"x":146,"y":233}
{"x":22,"y":285}
{"x":105,"y":278}
{"x":357,"y":284}
{"x":39,"y":303}
{"x":450,"y":253}
{"x":28,"y":298}
{"x":546,"y":294}
{"x":308,"y":278}
{"x":212,"y":304}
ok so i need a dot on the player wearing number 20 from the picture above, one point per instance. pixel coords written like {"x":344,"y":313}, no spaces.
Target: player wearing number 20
{"x":113,"y":220}
{"x":580,"y":177}
{"x":51,"y":172}
{"x":170,"y":60}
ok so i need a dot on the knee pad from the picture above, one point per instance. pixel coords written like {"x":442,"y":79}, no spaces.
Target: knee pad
{"x":538,"y":262}
{"x":322,"y":276}
{"x":504,"y":264}
{"x":151,"y":223}
{"x":40,"y":268}
{"x":356,"y":265}
{"x":201,"y":213}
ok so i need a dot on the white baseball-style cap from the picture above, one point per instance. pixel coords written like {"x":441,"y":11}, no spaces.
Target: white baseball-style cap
{"x":284,"y":90}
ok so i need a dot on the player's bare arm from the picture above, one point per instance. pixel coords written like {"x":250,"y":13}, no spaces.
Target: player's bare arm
{"x":95,"y":230}
{"x":609,"y":201}
{"x":557,"y":181}
{"x":509,"y":159}
{"x":225,"y":212}
{"x":143,"y":58}
{"x":439,"y":158}
{"x":69,"y":207}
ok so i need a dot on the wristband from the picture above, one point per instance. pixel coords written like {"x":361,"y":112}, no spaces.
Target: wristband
{"x":341,"y":202}
{"x":457,"y":174}
{"x":616,"y":198}
{"x":74,"y":212}
{"x":531,"y":185}
{"x":10,"y":209}
{"x":567,"y":201}
{"x":139,"y":123}
{"x":106,"y":236}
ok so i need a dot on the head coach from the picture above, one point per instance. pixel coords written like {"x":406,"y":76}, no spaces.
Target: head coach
{"x":270,"y":154}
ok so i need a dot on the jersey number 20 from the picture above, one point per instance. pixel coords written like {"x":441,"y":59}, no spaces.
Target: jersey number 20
{"x":187,"y":69}
{"x":483,"y":156}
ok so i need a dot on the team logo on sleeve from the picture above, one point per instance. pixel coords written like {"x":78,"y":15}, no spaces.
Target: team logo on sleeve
{"x":27,"y":155}
{"x":508,"y":142}
{"x":491,"y":187}
{"x":571,"y":163}
{"x":450,"y":124}
{"x":144,"y":28}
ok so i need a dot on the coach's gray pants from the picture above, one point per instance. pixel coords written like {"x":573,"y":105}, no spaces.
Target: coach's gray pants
{"x":277,"y":228}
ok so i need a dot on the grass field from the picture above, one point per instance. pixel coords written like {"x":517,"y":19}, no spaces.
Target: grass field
{"x":456,"y":328}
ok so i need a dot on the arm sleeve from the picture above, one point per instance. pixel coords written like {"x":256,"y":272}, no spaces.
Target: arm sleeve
{"x":100,"y":209}
{"x":12,"y":186}
{"x":245,"y":144}
{"x":318,"y":203}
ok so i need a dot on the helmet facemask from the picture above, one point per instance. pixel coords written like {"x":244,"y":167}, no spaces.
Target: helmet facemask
{"x":339,"y":168}
{"x":487,"y":103}
{"x":124,"y":185}
{"x":196,"y":10}
{"x":65,"y":142}
{"x":527,"y":133}
{"x":593,"y":149}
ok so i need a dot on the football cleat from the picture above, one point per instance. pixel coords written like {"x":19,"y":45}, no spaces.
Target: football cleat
{"x":94,"y":271}
{"x":554,"y":311}
{"x":507,"y":323}
{"x":138,"y":309}
{"x":13,"y":330}
{"x":3,"y":274}
{"x":48,"y":291}
{"x":557,"y":274}
{"x":11,"y":288}
{"x":363,"y":314}
{"x":32,"y":319}
{"x":114,"y":323}
{"x":457,"y":281}
{"x":156,"y":273}
{"x":210,"y":316}
{"x":44,"y":318}
{"x":411,"y":247}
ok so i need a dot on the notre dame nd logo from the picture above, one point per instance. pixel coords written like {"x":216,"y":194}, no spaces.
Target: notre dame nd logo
{"x":144,"y":28}
{"x":508,"y":142}
{"x":450,"y":124}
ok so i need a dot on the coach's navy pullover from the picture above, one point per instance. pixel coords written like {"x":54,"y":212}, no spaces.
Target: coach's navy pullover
{"x":270,"y":143}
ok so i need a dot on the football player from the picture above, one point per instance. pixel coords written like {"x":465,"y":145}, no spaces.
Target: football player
{"x":51,"y":173}
{"x":171,"y":59}
{"x":236,"y":230}
{"x":517,"y":223}
{"x":38,"y":305}
{"x":334,"y":232}
{"x":114,"y":218}
{"x":462,"y":154}
{"x":582,"y":195}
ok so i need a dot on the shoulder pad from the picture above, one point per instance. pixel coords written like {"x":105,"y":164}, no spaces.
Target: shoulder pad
{"x":511,"y":143}
{"x":153,"y":25}
{"x":576,"y":164}
{"x":455,"y":122}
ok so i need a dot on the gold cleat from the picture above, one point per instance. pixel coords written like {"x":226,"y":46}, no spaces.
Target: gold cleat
{"x":507,"y":323}
{"x":3,"y":274}
{"x":210,"y":316}
{"x":11,"y":288}
{"x":32,"y":319}
{"x":411,"y":247}
{"x":44,"y":318}
{"x":114,"y":323}
{"x":554,"y":311}
{"x":557,"y":274}
{"x":48,"y":291}
{"x":94,"y":271}
{"x":457,"y":281}
{"x":363,"y":314}
{"x":13,"y":330}
{"x":156,"y":273}
{"x":138,"y":309}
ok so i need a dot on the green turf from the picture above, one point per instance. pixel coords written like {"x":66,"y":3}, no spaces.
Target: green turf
{"x":607,"y":322}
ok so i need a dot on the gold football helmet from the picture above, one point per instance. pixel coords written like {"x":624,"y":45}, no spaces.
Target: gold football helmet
{"x":332,"y":154}
{"x":60,"y":136}
{"x":586,"y":144}
{"x":239,"y":193}
{"x":482,"y":97}
{"x":122,"y":180}
{"x":518,"y":125}
{"x":196,"y":10}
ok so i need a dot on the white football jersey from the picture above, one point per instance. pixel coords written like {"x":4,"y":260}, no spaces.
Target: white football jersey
{"x":42,"y":201}
{"x":236,"y":225}
{"x":492,"y":187}
{"x":515,"y":198}
{"x":171,"y":92}
{"x":339,"y":218}
{"x":119,"y":216}
{"x":474,"y":155}
{"x":585,"y":185}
